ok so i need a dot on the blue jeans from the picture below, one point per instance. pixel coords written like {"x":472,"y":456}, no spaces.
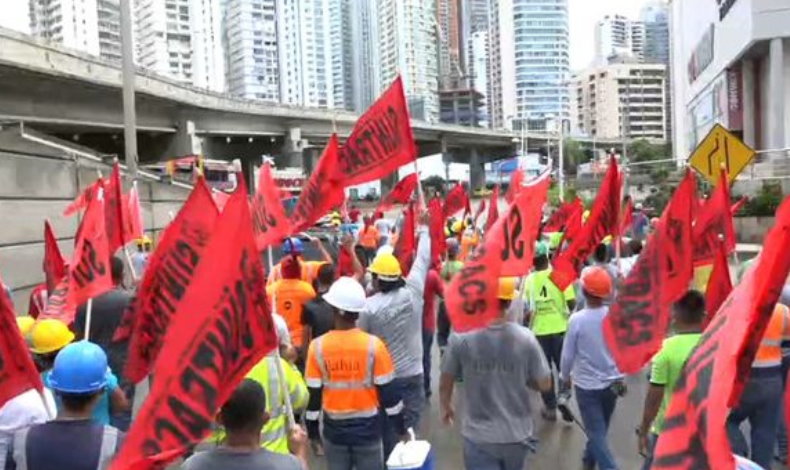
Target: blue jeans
{"x":427,"y":343}
{"x":411,"y":391}
{"x":359,"y":457}
{"x":760,"y":404}
{"x":552,"y":349}
{"x":479,"y":456}
{"x":596,"y":408}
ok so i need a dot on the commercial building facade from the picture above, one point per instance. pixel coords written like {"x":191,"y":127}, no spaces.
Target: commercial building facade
{"x":730,"y":61}
{"x":91,"y":26}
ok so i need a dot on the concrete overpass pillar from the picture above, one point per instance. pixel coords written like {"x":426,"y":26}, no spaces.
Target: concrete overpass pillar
{"x":293,"y":148}
{"x":248,"y":172}
{"x":310,"y":157}
{"x":388,"y":183}
{"x":477,"y":174}
{"x":186,"y":142}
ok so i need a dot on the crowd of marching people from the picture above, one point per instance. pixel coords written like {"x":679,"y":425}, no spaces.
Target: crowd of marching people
{"x":351,"y":375}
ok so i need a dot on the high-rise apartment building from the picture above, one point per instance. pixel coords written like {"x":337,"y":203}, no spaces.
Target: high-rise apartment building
{"x":528,"y":62}
{"x":477,"y":68}
{"x":252,"y":62}
{"x":305,"y":53}
{"x":91,"y":26}
{"x":622,"y":100}
{"x":408,"y":45}
{"x":655,"y":17}
{"x":618,"y":36}
{"x":182,"y":39}
{"x":450,"y":31}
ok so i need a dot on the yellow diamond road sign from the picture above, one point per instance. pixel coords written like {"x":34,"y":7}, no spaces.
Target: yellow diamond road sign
{"x":721,"y":148}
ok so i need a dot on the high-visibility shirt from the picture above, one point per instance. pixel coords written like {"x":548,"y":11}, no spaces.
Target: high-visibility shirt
{"x":308,"y":274}
{"x":547,"y":303}
{"x":769,"y":354}
{"x":468,"y":244}
{"x":290,"y":296}
{"x":369,"y":237}
{"x":349,"y":374}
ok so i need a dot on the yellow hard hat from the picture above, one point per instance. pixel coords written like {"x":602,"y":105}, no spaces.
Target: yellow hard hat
{"x":143,"y":240}
{"x":25,"y":323}
{"x":585,"y":215}
{"x":49,"y":335}
{"x":458,"y":226}
{"x":386,"y":267}
{"x":507,"y":288}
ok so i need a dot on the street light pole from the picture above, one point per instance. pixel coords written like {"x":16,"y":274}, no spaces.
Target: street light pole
{"x":129,"y":115}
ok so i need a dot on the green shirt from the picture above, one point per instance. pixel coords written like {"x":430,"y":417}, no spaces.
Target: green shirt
{"x":548,"y":304}
{"x":667,"y":365}
{"x":451,"y":268}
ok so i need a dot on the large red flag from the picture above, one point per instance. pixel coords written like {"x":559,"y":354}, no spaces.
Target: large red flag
{"x":573,"y":224}
{"x":714,"y":220}
{"x":516,"y":181}
{"x":400,"y":194}
{"x":219,"y":331}
{"x":456,"y":199}
{"x":89,"y":271}
{"x":170,"y":270}
{"x":133,"y":227}
{"x":17,"y":371}
{"x":695,"y":431}
{"x":506,"y":251}
{"x":739,"y":205}
{"x":114,"y":210}
{"x":407,"y":241}
{"x":559,"y":217}
{"x":436,"y":230}
{"x":381,"y":142}
{"x":269,"y":222}
{"x":81,"y":202}
{"x":493,"y":209}
{"x":54,"y":263}
{"x":719,"y":284}
{"x":604,"y":220}
{"x":638,"y":319}
{"x":322,"y":192}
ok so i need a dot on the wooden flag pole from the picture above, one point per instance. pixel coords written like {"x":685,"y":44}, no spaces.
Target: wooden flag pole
{"x":88,"y":315}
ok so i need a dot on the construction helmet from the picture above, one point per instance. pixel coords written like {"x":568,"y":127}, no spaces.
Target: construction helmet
{"x":49,"y":335}
{"x":596,"y":282}
{"x":25,"y":323}
{"x":386,"y":267}
{"x":458,"y":226}
{"x":346,"y":294}
{"x":80,"y":367}
{"x":507,"y":288}
{"x":293,"y":245}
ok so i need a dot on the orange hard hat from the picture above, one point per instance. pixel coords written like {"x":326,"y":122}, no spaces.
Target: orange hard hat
{"x":596,"y":282}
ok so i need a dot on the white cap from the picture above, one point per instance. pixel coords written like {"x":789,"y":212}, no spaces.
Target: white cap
{"x":346,"y":294}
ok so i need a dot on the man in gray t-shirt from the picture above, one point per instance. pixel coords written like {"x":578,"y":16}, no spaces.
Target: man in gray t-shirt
{"x":498,"y":365}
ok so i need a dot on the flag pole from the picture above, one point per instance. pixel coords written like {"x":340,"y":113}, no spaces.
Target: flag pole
{"x":88,"y":315}
{"x":420,"y":194}
{"x":289,"y":409}
{"x":135,"y":278}
{"x":50,"y":413}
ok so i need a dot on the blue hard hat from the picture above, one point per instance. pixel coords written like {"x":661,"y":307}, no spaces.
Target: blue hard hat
{"x":80,"y":367}
{"x":294,"y":243}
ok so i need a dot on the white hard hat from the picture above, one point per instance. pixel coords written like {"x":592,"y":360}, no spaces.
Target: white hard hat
{"x":346,"y":294}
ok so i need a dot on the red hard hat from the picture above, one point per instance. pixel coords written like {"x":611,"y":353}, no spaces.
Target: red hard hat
{"x":596,"y":282}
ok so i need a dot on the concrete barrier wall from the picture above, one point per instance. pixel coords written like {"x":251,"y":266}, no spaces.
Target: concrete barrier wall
{"x":36,"y":183}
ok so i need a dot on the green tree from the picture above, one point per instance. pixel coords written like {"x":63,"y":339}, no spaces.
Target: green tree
{"x":573,"y":155}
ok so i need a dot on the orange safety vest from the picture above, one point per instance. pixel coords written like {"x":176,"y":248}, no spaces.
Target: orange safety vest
{"x":349,"y":365}
{"x":769,"y":354}
{"x":290,"y":296}
{"x":369,"y":237}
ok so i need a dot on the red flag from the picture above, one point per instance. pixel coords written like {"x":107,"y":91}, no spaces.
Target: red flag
{"x":59,"y":304}
{"x":345,"y":265}
{"x":219,"y":331}
{"x":81,"y":202}
{"x":573,"y":225}
{"x":171,"y":268}
{"x":506,"y":250}
{"x":714,"y":220}
{"x":54,"y":263}
{"x":559,"y":217}
{"x":719,"y":283}
{"x":269,"y":222}
{"x":322,"y":191}
{"x":516,"y":180}
{"x":739,"y":205}
{"x":381,"y":142}
{"x":114,"y":210}
{"x":133,"y":227}
{"x":407,"y":241}
{"x":400,"y":194}
{"x":638,"y":319}
{"x":695,"y":431}
{"x":627,"y":218}
{"x":436,"y":230}
{"x":17,"y":371}
{"x":481,"y":207}
{"x":493,"y":209}
{"x":89,"y":271}
{"x":603,"y":221}
{"x":456,"y":199}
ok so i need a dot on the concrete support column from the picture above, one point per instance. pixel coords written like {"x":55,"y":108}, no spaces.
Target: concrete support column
{"x":185,"y":141}
{"x":248,"y":172}
{"x":293,"y":148}
{"x":310,"y":157}
{"x":388,"y":182}
{"x":748,"y":104}
{"x":477,"y":174}
{"x":776,"y":94}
